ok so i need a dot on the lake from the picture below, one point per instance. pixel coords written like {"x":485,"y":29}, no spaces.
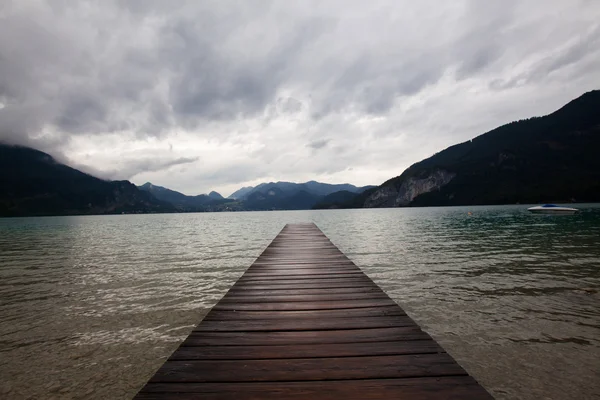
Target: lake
{"x":91,"y":306}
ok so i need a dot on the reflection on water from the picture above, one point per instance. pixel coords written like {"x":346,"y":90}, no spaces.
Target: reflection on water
{"x":90,"y":307}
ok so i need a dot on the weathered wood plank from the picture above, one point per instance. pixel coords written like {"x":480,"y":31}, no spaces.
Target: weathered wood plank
{"x":305,"y":305}
{"x":304,"y":285}
{"x":305,"y":324}
{"x":302,"y":271}
{"x":306,"y":350}
{"x":287,"y":298}
{"x":439,"y":388}
{"x":309,"y":369}
{"x":322,"y":282}
{"x":300,"y":292}
{"x":302,"y":277}
{"x":296,"y":315}
{"x":304,"y":337}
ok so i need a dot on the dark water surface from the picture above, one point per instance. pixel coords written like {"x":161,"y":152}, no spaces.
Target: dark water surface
{"x":91,"y":306}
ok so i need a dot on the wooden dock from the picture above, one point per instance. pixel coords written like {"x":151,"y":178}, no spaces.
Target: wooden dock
{"x":304,"y":322}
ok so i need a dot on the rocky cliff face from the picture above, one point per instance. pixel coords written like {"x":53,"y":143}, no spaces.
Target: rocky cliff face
{"x":399,"y":196}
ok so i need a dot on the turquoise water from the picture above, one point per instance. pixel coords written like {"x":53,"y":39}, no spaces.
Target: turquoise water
{"x":91,"y":306}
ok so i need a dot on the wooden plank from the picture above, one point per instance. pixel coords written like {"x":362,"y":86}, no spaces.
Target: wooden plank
{"x":303,"y":277}
{"x":276,"y":267}
{"x":304,"y":285}
{"x":305,"y":322}
{"x":306,"y":350}
{"x":296,"y":315}
{"x":309,"y":269}
{"x":438,"y":388}
{"x":281,"y":264}
{"x":296,"y":274}
{"x":286,"y":298}
{"x":313,"y":281}
{"x":318,"y":259}
{"x":304,"y":337}
{"x":309,"y":369}
{"x":305,"y":305}
{"x":240,"y":291}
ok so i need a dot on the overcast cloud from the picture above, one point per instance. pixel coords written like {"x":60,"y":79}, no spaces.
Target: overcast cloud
{"x":215,"y":95}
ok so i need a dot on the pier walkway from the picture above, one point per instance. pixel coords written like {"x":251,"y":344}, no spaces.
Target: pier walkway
{"x":304,"y":322}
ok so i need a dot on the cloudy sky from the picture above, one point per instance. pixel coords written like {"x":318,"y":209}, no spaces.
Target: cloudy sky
{"x":215,"y":95}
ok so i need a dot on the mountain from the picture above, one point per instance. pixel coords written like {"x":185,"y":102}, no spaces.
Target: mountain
{"x":276,"y":199}
{"x":363,"y":189}
{"x":34,"y":183}
{"x":335,"y":200}
{"x":344,"y":199}
{"x":543,"y":159}
{"x":240,"y":193}
{"x":289,"y":195}
{"x":317,"y":189}
{"x":215,"y":195}
{"x":183,"y":202}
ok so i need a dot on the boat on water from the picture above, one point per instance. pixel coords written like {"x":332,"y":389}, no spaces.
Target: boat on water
{"x":552,"y":209}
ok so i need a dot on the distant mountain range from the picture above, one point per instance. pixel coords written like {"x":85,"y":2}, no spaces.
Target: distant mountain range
{"x":538,"y":160}
{"x":291,"y":188}
{"x":289,"y":195}
{"x":266,"y":196}
{"x":204,"y":202}
{"x":33,"y":183}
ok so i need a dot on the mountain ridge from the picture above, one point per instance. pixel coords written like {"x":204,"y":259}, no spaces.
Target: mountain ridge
{"x":34,"y":183}
{"x":182,"y":202}
{"x":317,"y":188}
{"x":536,"y":160}
{"x":265,"y":196}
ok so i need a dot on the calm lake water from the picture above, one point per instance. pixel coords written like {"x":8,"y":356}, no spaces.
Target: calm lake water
{"x":91,"y":306}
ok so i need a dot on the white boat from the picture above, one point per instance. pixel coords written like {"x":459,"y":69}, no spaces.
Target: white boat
{"x":552,"y":209}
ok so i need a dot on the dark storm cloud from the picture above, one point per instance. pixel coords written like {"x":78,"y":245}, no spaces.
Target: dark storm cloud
{"x":79,"y":112}
{"x":586,"y":46}
{"x":318,"y":144}
{"x":484,"y":39}
{"x":582,"y":47}
{"x":181,"y":67}
{"x":288,"y":105}
{"x":373,"y":88}
{"x":155,"y":68}
{"x":215,"y":83}
{"x":143,"y":164}
{"x":478,"y":57}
